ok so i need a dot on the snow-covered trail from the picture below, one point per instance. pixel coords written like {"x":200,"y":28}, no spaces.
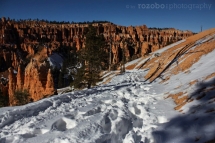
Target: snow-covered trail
{"x":125,"y":110}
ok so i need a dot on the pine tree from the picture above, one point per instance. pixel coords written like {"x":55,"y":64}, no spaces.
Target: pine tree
{"x":79,"y":81}
{"x":94,"y":58}
{"x":4,"y":101}
{"x":55,"y":73}
{"x":60,"y":79}
{"x":22,"y":97}
{"x":63,"y":72}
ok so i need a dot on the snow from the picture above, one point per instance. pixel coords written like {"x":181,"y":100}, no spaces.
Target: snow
{"x":65,"y":89}
{"x":14,"y":71}
{"x":194,"y":124}
{"x":205,"y":39}
{"x":55,"y":60}
{"x":139,"y":61}
{"x":133,"y":62}
{"x":126,"y":110}
{"x":170,"y":46}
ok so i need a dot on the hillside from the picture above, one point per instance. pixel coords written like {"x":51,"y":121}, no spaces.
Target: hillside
{"x":166,"y":96}
{"x":31,"y":47}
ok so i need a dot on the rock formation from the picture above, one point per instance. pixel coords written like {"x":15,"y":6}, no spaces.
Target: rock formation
{"x":38,"y":80}
{"x":26,"y":35}
{"x":49,"y":84}
{"x":20,"y":79}
{"x":11,"y":86}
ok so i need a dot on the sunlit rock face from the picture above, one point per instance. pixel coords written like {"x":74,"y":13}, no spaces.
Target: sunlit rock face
{"x":26,"y":35}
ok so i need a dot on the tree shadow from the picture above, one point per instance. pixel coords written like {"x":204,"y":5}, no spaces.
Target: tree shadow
{"x":197,"y":125}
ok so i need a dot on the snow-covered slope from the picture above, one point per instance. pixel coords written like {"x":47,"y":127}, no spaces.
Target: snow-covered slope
{"x":124,"y":110}
{"x":127,"y":109}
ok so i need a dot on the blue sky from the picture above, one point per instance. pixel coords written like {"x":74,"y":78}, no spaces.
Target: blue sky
{"x":180,"y":14}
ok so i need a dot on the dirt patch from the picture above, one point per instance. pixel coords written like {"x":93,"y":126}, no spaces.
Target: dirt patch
{"x":187,"y":71}
{"x":164,"y":80}
{"x":134,"y":65}
{"x":155,"y":68}
{"x":175,"y":96}
{"x":190,"y":100}
{"x":178,"y":87}
{"x":179,"y":106}
{"x":109,"y":77}
{"x":142,"y":65}
{"x":108,"y":80}
{"x":179,"y":101}
{"x":131,"y":67}
{"x":210,"y":76}
{"x":193,"y":82}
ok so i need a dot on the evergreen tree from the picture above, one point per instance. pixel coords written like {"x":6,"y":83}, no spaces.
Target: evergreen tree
{"x":94,"y":59}
{"x":65,"y":76}
{"x":78,"y":78}
{"x":61,"y":83}
{"x":60,"y":80}
{"x":55,"y":73}
{"x":3,"y":100}
{"x":22,"y":97}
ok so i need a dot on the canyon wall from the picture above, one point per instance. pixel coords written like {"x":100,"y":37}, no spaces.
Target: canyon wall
{"x":26,"y":35}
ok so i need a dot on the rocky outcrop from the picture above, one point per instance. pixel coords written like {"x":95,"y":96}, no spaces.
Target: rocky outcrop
{"x":27,"y":35}
{"x":20,"y":79}
{"x":34,"y":84}
{"x":145,"y":49}
{"x":115,"y":51}
{"x":38,"y":80}
{"x":11,"y":86}
{"x":49,"y":84}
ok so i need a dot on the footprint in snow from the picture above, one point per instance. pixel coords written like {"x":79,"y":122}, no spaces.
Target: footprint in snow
{"x":136,"y":110}
{"x":144,"y":88}
{"x":106,"y":124}
{"x":93,"y":111}
{"x":113,"y":114}
{"x":63,"y":124}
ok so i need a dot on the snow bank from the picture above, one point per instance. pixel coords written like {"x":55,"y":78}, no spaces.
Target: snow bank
{"x":55,"y":60}
{"x":124,"y":110}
